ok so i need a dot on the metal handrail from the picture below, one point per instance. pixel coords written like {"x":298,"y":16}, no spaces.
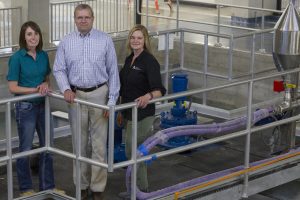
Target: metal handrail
{"x":110,"y":165}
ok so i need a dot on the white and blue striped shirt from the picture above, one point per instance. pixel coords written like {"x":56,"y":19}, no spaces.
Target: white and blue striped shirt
{"x":87,"y":61}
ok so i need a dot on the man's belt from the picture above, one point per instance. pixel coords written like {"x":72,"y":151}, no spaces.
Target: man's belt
{"x":74,"y":88}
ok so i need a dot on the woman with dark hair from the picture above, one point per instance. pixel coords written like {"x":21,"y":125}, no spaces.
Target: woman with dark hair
{"x":28,"y":73}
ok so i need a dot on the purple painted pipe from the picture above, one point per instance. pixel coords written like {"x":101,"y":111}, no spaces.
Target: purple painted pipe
{"x":200,"y":180}
{"x":163,"y":135}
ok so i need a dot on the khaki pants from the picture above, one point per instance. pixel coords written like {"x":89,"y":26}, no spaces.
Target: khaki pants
{"x":144,"y":130}
{"x":93,"y":138}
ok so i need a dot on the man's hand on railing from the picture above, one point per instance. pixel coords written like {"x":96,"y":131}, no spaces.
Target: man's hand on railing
{"x":69,"y":96}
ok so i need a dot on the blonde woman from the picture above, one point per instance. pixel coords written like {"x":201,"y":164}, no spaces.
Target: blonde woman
{"x":140,"y":82}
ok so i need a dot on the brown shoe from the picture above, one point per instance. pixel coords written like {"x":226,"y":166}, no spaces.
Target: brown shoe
{"x":58,"y":191}
{"x":84,"y":194}
{"x":27,"y":193}
{"x":97,"y":196}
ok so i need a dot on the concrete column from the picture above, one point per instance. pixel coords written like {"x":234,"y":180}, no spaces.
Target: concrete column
{"x":37,"y":11}
{"x":16,"y":24}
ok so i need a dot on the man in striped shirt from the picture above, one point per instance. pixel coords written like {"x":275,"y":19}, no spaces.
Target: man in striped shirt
{"x":86,"y":68}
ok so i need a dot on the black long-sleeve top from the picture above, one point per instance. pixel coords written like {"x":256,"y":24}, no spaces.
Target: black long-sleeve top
{"x":138,"y":79}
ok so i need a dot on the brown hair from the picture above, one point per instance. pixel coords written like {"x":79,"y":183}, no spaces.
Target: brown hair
{"x":36,"y":28}
{"x":84,"y":7}
{"x":143,"y":29}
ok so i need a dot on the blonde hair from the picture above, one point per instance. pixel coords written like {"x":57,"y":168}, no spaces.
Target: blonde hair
{"x":143,"y":29}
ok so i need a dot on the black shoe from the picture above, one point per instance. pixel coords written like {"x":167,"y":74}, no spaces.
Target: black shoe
{"x":97,"y":195}
{"x":84,"y":194}
{"x":124,"y":195}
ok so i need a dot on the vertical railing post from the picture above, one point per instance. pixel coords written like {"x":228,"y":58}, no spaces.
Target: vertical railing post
{"x":252,"y":56}
{"x":262,"y":37}
{"x":248,"y":140}
{"x":181,"y":49}
{"x":204,"y":97}
{"x":9,"y":152}
{"x":110,"y":18}
{"x":167,"y":59}
{"x":117,"y":16}
{"x":59,"y":19}
{"x":219,"y":21}
{"x":78,"y":150}
{"x":63,"y":21}
{"x":111,"y":131}
{"x":1,"y":30}
{"x":9,"y":13}
{"x":134,"y":153}
{"x":54,"y":32}
{"x":147,"y":14}
{"x":4,"y":28}
{"x":47,"y":122}
{"x":177,"y":14}
{"x":230,"y":62}
{"x":96,"y":14}
{"x":51,"y":23}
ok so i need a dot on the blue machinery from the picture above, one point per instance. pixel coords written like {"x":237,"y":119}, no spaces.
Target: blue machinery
{"x":180,"y":114}
{"x":119,"y":149}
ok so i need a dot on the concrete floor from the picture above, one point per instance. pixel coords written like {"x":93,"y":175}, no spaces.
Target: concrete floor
{"x":169,"y":170}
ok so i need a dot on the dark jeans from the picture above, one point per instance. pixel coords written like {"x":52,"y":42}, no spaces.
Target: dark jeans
{"x":31,"y":117}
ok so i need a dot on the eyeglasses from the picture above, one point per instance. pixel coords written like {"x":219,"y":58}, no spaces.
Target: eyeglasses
{"x":83,"y":18}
